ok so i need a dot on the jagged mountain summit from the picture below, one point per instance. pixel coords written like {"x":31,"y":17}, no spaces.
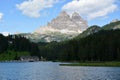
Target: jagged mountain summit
{"x":65,"y":23}
{"x":49,"y":33}
{"x":63,"y":27}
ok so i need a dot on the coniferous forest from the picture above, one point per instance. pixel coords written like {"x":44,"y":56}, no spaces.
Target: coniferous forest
{"x":12,"y":47}
{"x":100,"y":46}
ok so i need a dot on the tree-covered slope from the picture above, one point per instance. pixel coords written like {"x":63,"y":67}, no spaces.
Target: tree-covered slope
{"x":94,"y":44}
{"x":112,"y":25}
{"x":12,"y":47}
{"x":91,"y":30}
{"x":101,"y":46}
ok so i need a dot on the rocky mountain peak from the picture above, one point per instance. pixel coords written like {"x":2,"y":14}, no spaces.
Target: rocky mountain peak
{"x":61,"y":28}
{"x":63,"y":14}
{"x":65,"y":22}
{"x":76,"y":16}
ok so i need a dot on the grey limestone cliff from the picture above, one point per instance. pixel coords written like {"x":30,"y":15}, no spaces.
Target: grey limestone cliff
{"x":65,"y":21}
{"x":63,"y":27}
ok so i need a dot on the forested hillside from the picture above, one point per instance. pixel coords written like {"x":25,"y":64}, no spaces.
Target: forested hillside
{"x":101,"y":46}
{"x":12,"y":47}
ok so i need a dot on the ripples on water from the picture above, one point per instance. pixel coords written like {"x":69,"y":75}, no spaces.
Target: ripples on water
{"x":52,"y":71}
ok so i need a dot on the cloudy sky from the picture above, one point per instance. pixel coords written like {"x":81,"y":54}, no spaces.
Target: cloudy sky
{"x":28,"y":15}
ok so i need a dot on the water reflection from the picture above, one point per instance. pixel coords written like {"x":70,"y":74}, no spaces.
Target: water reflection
{"x":52,"y":71}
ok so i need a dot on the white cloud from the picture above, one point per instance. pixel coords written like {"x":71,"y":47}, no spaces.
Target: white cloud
{"x":1,"y":16}
{"x":32,"y":8}
{"x":91,"y":8}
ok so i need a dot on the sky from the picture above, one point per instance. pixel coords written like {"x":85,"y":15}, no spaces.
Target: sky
{"x":28,"y":15}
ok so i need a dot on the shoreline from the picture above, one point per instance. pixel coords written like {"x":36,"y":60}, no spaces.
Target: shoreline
{"x":17,"y":61}
{"x":94,"y":64}
{"x":89,"y":64}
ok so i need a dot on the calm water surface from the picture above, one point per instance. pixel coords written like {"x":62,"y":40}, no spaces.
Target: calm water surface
{"x":52,"y":71}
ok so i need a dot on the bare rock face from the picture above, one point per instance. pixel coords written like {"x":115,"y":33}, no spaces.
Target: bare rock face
{"x":73,"y":23}
{"x":63,"y":21}
{"x":63,"y":15}
{"x":76,"y":17}
{"x":79,"y":21}
{"x":63,"y":27}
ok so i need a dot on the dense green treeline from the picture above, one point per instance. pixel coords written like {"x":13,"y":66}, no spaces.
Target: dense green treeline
{"x":13,"y":46}
{"x":101,"y":46}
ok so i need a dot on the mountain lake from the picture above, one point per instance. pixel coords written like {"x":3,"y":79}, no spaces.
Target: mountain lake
{"x":52,"y":71}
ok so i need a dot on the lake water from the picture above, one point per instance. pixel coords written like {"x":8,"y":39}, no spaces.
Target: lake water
{"x":52,"y":71}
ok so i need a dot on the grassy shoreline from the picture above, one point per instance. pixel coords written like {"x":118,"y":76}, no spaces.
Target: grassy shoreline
{"x":95,"y":64}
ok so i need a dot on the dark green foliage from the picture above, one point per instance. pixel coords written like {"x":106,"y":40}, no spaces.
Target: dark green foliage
{"x":100,"y":46}
{"x":94,"y":44}
{"x":111,"y":25}
{"x":91,"y":30}
{"x":104,"y":64}
{"x":3,"y":43}
{"x":16,"y":44}
{"x":34,"y":49}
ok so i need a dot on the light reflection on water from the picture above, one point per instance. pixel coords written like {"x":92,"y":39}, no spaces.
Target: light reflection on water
{"x":52,"y":71}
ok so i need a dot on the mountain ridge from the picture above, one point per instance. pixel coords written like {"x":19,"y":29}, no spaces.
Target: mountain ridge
{"x":65,"y":27}
{"x":61,"y":28}
{"x":65,"y":22}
